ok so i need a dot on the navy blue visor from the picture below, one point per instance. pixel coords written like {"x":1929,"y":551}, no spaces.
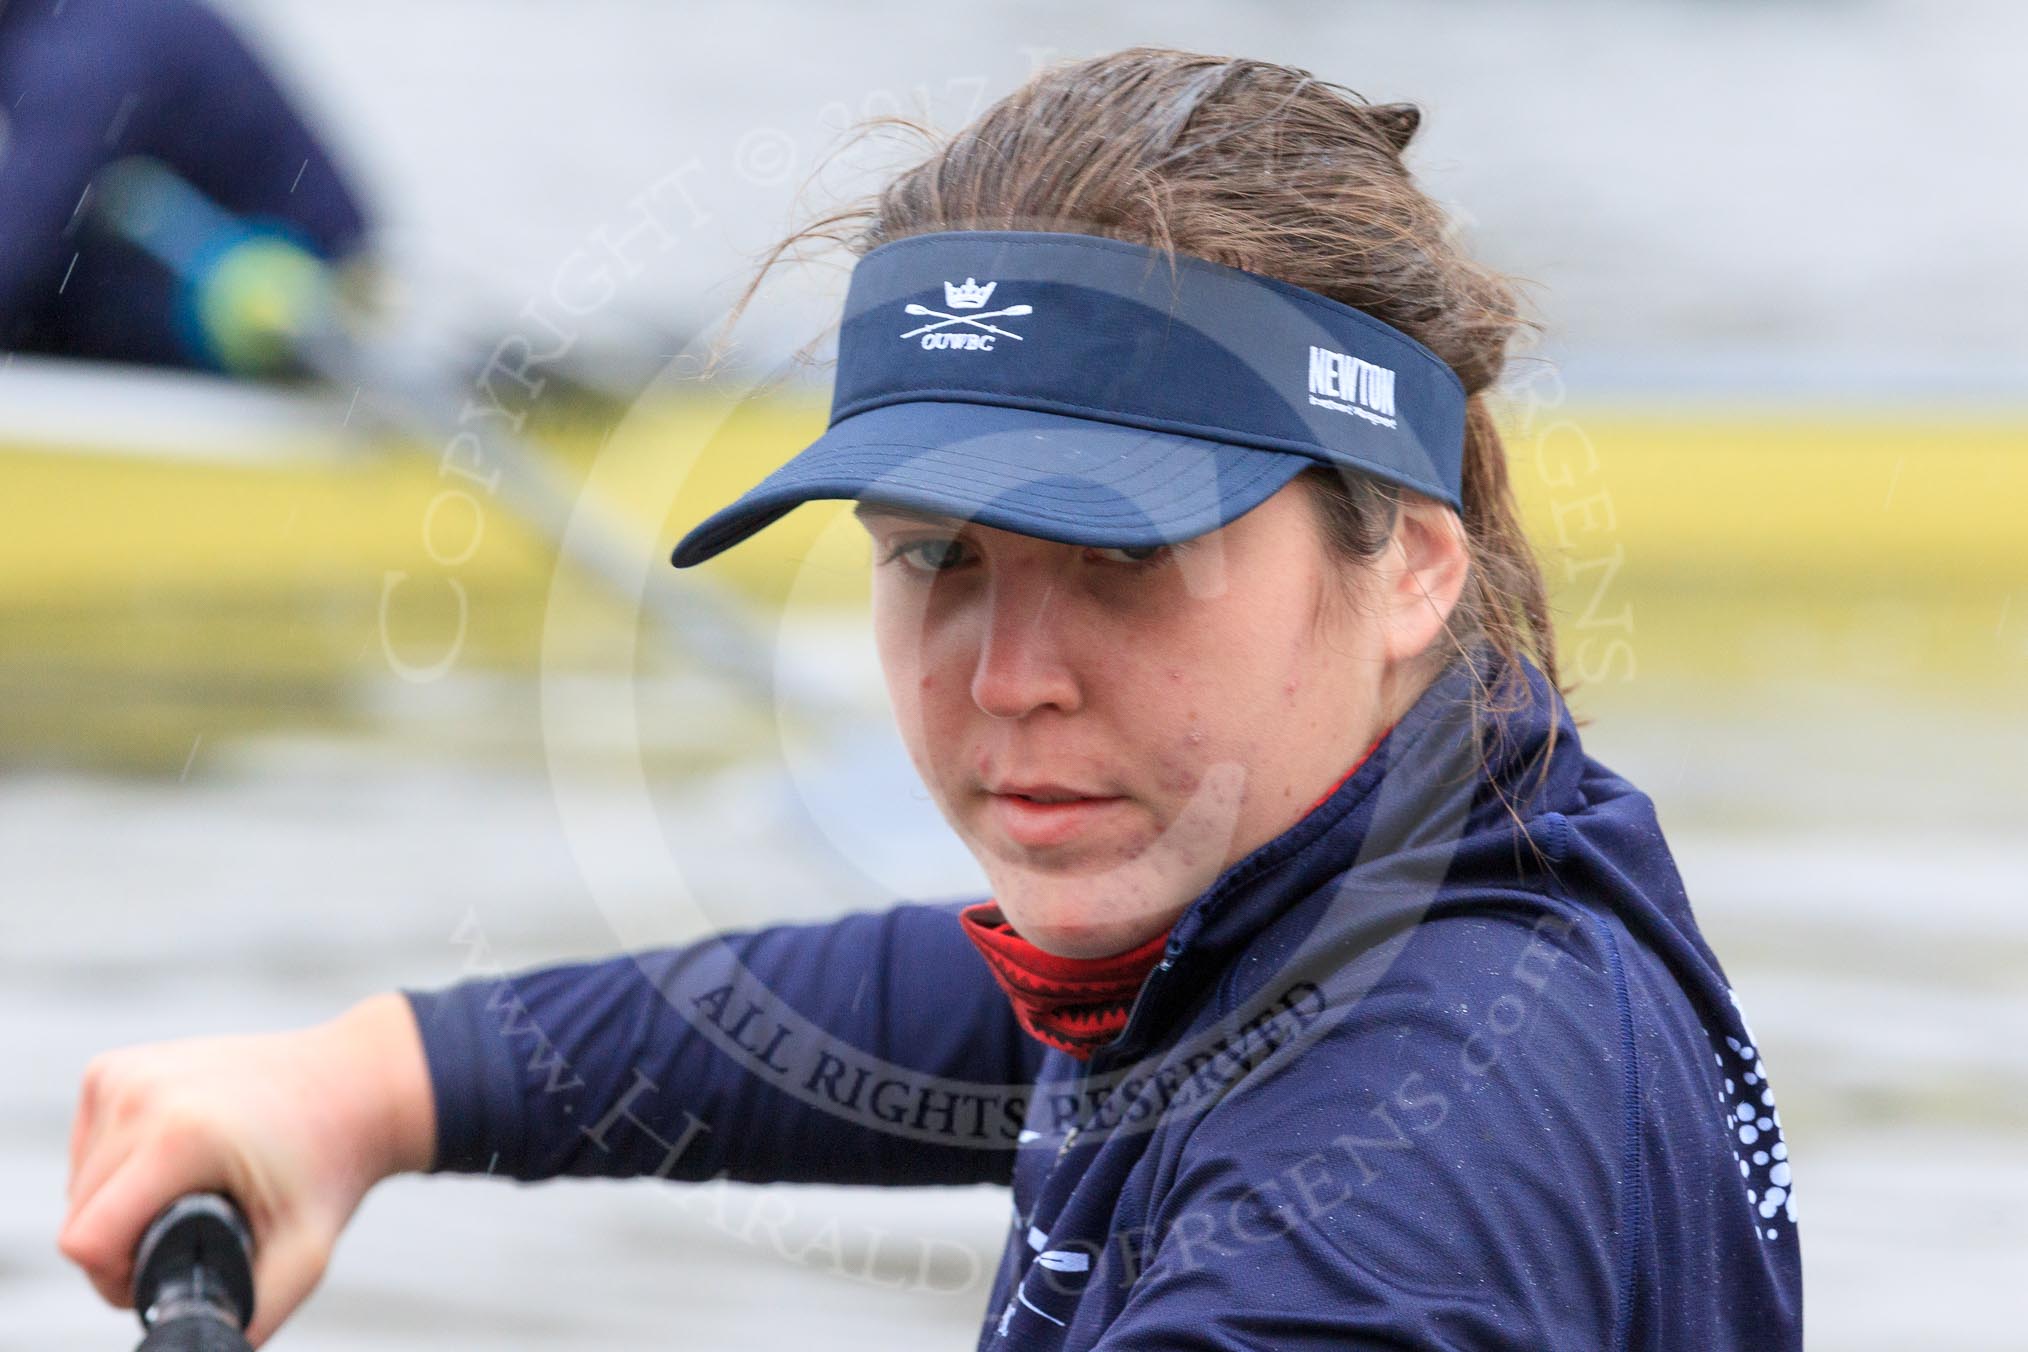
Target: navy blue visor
{"x":1102,"y":393}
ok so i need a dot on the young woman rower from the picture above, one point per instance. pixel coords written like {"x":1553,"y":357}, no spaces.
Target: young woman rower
{"x":1328,"y":993}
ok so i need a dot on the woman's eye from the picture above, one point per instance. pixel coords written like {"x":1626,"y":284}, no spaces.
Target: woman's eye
{"x":1134,"y":553}
{"x":932,"y":556}
{"x":927,"y":556}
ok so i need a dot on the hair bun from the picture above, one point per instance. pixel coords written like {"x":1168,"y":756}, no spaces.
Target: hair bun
{"x":1397,"y":122}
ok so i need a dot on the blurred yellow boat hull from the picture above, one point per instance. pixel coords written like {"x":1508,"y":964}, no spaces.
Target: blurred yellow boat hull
{"x":1683,"y":546}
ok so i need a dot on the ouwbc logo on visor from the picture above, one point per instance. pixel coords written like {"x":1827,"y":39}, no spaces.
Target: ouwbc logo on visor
{"x":1101,"y":392}
{"x":970,"y":296}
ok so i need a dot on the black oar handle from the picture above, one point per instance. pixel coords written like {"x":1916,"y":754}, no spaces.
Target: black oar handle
{"x":193,"y":1277}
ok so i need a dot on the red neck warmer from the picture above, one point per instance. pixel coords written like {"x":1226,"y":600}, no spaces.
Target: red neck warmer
{"x":1077,"y":1005}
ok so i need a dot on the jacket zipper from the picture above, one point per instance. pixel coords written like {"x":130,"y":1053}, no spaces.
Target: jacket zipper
{"x":1093,"y":1066}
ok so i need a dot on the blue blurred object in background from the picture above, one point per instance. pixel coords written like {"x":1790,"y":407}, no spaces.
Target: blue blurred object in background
{"x":89,"y":82}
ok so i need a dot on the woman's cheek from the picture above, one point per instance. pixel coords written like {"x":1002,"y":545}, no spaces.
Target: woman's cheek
{"x":1187,"y":747}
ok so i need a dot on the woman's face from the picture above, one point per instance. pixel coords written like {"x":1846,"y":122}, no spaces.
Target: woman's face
{"x":1107,"y":731}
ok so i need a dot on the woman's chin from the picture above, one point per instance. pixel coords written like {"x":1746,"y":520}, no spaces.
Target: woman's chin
{"x":1074,"y":922}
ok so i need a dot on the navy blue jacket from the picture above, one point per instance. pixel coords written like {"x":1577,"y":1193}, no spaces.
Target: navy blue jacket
{"x":87,"y":82}
{"x":1429,"y":1070}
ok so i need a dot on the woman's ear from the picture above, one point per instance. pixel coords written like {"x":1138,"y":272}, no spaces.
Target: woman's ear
{"x":1421,"y":575}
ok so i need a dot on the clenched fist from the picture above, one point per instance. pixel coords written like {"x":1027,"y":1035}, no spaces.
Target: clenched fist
{"x":294,"y":1126}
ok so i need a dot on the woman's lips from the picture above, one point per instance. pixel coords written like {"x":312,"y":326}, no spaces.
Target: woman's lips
{"x":1039,"y":825}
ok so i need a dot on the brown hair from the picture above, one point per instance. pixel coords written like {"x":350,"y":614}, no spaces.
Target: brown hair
{"x":1261,"y":167}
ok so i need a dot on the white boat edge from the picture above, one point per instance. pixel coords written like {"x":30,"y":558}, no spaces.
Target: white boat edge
{"x":59,"y":405}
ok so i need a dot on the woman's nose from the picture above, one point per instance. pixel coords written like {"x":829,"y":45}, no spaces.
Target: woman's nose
{"x":1023,"y":662}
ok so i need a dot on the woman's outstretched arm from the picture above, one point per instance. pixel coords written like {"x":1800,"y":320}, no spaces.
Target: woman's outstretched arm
{"x":874,"y":1048}
{"x":870,"y":1049}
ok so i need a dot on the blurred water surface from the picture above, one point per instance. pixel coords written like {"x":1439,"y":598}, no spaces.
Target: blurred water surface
{"x":1749,"y":194}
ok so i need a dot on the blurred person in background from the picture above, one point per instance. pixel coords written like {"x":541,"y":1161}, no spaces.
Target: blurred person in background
{"x":1330,"y":994}
{"x":87,"y":83}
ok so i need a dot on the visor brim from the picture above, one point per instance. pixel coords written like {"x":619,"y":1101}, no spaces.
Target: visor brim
{"x":1048,"y":475}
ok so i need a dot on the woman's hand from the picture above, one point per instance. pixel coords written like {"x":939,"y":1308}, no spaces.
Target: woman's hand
{"x":294,"y":1126}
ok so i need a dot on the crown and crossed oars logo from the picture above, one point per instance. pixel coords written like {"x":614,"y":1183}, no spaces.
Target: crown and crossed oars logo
{"x":970,"y":296}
